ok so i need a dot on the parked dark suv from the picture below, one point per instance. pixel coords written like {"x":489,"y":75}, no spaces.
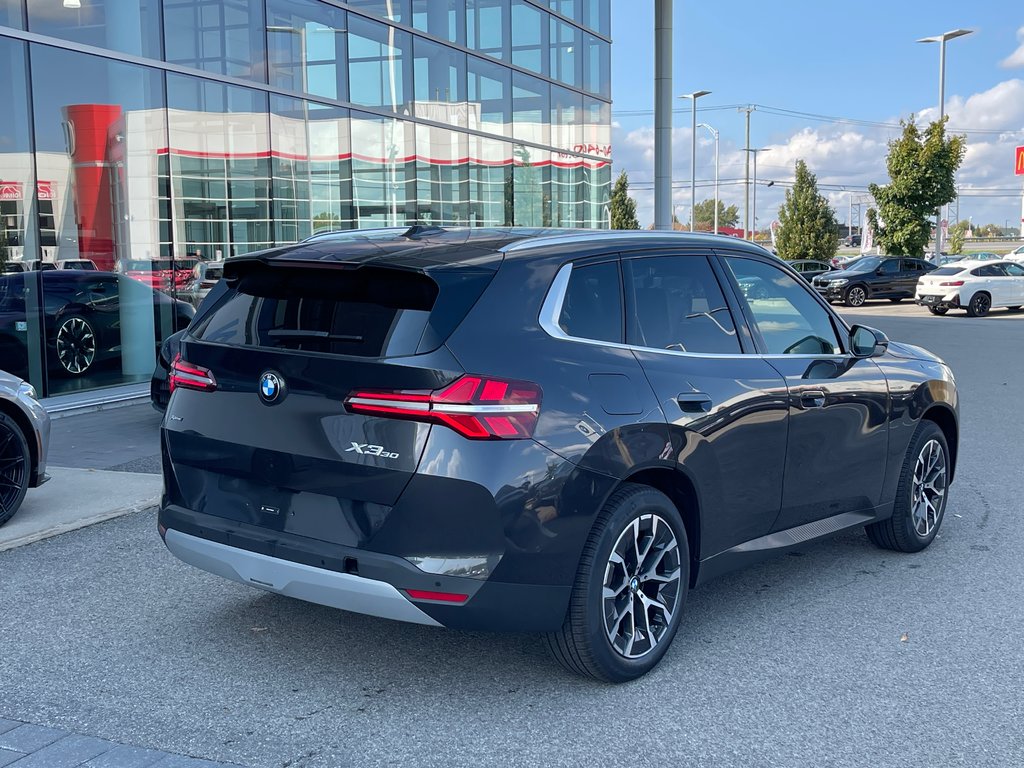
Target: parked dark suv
{"x":873,"y":277}
{"x":538,"y":431}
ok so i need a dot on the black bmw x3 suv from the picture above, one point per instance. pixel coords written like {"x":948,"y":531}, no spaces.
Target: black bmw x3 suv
{"x":544,"y":431}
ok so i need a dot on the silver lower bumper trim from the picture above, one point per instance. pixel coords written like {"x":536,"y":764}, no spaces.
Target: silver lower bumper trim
{"x":304,"y":582}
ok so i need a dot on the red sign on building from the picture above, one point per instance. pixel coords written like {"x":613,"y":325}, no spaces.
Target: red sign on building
{"x":1019,"y":165}
{"x":46,"y":190}
{"x":10,"y":190}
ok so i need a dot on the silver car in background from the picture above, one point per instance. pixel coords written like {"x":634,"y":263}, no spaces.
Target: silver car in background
{"x":207,"y":273}
{"x":24,"y":440}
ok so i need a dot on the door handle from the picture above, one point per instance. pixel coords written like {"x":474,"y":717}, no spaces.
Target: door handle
{"x":812,"y":398}
{"x":694,"y":402}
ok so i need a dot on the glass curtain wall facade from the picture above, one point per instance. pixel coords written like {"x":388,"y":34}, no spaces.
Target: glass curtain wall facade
{"x":144,"y":139}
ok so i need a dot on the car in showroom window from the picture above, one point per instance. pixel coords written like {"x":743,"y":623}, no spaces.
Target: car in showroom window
{"x":552,"y":432}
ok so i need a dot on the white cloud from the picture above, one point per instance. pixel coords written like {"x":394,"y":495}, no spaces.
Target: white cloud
{"x":1016,"y":59}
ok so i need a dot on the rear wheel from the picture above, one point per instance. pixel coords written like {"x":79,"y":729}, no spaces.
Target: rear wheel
{"x":15,"y":467}
{"x":920,"y":495}
{"x":855,"y":296}
{"x":938,"y":310}
{"x":76,"y":345}
{"x":630,"y":589}
{"x":979,"y":306}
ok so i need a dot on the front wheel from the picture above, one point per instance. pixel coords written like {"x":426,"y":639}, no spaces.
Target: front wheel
{"x":855,"y":296}
{"x":15,"y":467}
{"x":76,"y":345}
{"x":630,"y":589}
{"x":920,"y":495}
{"x":938,"y":310}
{"x":979,"y":306}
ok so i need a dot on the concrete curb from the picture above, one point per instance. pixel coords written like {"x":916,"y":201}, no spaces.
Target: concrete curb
{"x":84,"y":522}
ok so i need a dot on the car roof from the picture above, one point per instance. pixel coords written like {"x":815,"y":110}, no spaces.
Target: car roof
{"x":972,"y":263}
{"x":435,"y":248}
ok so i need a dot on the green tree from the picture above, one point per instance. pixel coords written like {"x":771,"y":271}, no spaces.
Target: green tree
{"x":807,"y":223}
{"x":922,"y":169}
{"x":622,"y":206}
{"x":705,"y":215}
{"x":957,"y":233}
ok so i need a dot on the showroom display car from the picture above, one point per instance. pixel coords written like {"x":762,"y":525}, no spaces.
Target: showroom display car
{"x":975,"y":286}
{"x":24,"y":440}
{"x":873,"y":277}
{"x":558,"y":432}
{"x":82,"y":316}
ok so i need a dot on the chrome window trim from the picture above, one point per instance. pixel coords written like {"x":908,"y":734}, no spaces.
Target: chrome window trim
{"x":551,"y":309}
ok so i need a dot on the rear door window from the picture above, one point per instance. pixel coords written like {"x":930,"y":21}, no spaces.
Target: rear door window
{"x":592,"y":308}
{"x":676,"y":303}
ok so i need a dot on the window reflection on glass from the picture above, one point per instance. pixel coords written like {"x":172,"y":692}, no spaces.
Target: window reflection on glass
{"x":597,"y":15}
{"x":529,"y":37}
{"x":487,"y":22}
{"x":12,"y":14}
{"x":490,"y":96}
{"x":383,"y":171}
{"x":379,"y":64}
{"x":532,"y":186}
{"x":571,"y":9}
{"x":220,"y":146}
{"x":131,"y":26}
{"x":568,"y":191}
{"x":223,"y":36}
{"x":597,"y":131}
{"x":394,"y":10}
{"x":444,"y":19}
{"x":531,"y":109}
{"x":440,"y":78}
{"x":566,"y":119}
{"x":306,"y":47}
{"x":329,"y":130}
{"x":565,"y":55}
{"x":597,"y":70}
{"x":442,"y":177}
{"x":491,"y":183}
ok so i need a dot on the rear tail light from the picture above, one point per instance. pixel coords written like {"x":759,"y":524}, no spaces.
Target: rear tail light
{"x":441,"y":597}
{"x":477,"y":407}
{"x":188,"y":376}
{"x":952,"y":283}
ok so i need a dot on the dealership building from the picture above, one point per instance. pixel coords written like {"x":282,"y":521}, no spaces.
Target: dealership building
{"x":153,"y":136}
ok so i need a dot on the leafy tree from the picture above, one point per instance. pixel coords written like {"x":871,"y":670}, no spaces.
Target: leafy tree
{"x":957,"y":233}
{"x":622,"y":206}
{"x":704,"y":218}
{"x":807,"y":223}
{"x":922,"y":169}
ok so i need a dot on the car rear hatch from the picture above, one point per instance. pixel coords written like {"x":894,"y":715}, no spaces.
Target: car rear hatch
{"x":258,"y":430}
{"x":940,"y":281}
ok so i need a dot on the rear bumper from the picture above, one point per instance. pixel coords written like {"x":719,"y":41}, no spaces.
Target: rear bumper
{"x":948,"y":301}
{"x":354,"y":579}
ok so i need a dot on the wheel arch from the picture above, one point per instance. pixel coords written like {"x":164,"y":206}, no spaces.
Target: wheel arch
{"x":681,"y":491}
{"x":943,"y":416}
{"x":18,"y":416}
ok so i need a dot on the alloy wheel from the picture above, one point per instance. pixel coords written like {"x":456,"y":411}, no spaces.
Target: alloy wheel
{"x":641,"y":586}
{"x":928,"y":492}
{"x":981,"y":304}
{"x":856,"y":297}
{"x":76,"y":345}
{"x":13,"y":470}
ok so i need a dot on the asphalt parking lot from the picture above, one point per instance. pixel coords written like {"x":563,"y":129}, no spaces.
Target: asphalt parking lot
{"x":838,"y":654}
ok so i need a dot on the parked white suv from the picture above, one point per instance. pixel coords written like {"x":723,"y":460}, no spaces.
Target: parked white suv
{"x":976,"y":286}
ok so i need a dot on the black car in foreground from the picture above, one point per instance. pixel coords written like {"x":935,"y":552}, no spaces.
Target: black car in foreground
{"x":541,"y":431}
{"x":873,"y":277}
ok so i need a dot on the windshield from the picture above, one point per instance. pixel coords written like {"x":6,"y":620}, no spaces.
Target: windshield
{"x":864,"y":264}
{"x":944,"y":271}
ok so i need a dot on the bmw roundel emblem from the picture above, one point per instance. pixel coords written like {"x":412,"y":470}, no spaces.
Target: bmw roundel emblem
{"x":271,"y":387}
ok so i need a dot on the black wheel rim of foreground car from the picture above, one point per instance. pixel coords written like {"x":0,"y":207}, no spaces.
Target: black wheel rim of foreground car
{"x":929,"y":490}
{"x":13,"y":469}
{"x":980,"y":304}
{"x":641,"y":586}
{"x":76,"y":345}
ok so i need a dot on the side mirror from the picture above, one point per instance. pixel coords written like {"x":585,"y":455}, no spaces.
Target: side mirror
{"x":867,"y":342}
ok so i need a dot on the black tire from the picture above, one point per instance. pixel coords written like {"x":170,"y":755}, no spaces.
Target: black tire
{"x":583,"y":644}
{"x":855,"y":296}
{"x":76,"y":349}
{"x":938,"y":310}
{"x":979,"y":304}
{"x":897,"y":300}
{"x":902,"y":532}
{"x":15,"y":467}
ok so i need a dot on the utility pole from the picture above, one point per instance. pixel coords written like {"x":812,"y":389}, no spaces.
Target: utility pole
{"x":746,"y":176}
{"x":662,"y":114}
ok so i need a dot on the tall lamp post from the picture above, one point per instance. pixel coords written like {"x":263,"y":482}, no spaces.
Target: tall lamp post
{"x":941,"y":40}
{"x":753,"y":206}
{"x":693,"y":154}
{"x":715,"y":134}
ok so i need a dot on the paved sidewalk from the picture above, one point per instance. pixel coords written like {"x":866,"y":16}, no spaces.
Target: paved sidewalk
{"x":34,"y":746}
{"x":125,"y":439}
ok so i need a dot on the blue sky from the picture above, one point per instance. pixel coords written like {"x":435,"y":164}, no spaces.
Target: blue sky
{"x":836,"y":59}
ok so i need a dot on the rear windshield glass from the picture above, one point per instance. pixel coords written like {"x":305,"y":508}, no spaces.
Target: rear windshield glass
{"x":366,"y":312}
{"x":943,"y":271}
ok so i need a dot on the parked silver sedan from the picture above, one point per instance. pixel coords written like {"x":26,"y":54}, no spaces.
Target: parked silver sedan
{"x":24,"y":440}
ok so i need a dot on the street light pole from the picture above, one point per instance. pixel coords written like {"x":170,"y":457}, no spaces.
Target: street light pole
{"x":693,"y":153}
{"x":941,"y":40}
{"x":715,"y":134}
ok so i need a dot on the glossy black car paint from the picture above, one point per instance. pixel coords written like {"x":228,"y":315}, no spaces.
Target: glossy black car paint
{"x":93,"y":296}
{"x":894,"y":278}
{"x":754,"y":470}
